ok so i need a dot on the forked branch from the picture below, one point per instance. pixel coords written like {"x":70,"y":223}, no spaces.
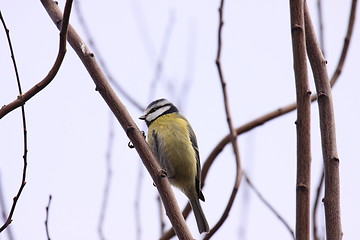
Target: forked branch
{"x":22,"y":98}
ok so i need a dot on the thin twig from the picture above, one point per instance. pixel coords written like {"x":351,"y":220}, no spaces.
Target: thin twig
{"x":23,"y":98}
{"x":266,"y":203}
{"x":316,"y":204}
{"x":3,"y":211}
{"x":346,"y":45}
{"x":328,"y":134}
{"x":127,"y":123}
{"x":303,"y":102}
{"x":232,"y":131}
{"x":161,"y":216}
{"x":137,"y":201}
{"x":47,"y":218}
{"x":23,"y":180}
{"x":102,"y":62}
{"x":107,"y":185}
{"x":321,"y":26}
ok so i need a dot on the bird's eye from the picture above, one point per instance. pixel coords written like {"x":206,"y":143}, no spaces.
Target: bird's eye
{"x":153,"y":110}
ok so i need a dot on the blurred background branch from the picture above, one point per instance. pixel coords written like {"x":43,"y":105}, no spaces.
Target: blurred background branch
{"x":47,"y":218}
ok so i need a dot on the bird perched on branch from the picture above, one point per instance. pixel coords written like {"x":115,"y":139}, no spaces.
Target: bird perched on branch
{"x":174,"y":144}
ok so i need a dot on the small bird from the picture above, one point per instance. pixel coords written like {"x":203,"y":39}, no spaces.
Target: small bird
{"x":174,"y":144}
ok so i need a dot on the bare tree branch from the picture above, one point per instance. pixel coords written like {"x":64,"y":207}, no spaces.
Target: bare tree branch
{"x":129,"y":126}
{"x":346,"y":45}
{"x":108,"y":180}
{"x":321,"y":26}
{"x":47,"y":218}
{"x":315,"y":207}
{"x":233,"y":135}
{"x":285,"y":109}
{"x":3,"y":211}
{"x":303,"y":101}
{"x":23,"y":98}
{"x":25,"y":151}
{"x":272,"y":209}
{"x":328,"y":135}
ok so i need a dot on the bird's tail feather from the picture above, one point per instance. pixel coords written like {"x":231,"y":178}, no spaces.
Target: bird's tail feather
{"x":202,"y":224}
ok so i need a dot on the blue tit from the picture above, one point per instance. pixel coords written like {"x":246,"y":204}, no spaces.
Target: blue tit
{"x":174,"y":144}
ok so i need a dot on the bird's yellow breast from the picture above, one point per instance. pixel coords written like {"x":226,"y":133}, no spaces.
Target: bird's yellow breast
{"x":169,"y":139}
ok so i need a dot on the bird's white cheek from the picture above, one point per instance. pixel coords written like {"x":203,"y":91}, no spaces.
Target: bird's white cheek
{"x":152,"y":116}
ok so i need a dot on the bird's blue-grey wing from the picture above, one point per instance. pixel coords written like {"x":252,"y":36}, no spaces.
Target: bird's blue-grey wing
{"x":198,"y":167}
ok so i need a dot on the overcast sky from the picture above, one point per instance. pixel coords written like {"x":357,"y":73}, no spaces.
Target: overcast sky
{"x":68,"y":123}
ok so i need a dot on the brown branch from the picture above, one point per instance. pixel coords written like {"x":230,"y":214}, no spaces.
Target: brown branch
{"x":47,"y":218}
{"x":346,"y":45}
{"x":23,"y":98}
{"x":7,"y":108}
{"x":3,"y":211}
{"x":332,"y":81}
{"x":102,"y":62}
{"x":303,"y":120}
{"x":272,"y":209}
{"x":128,"y":124}
{"x":328,"y":135}
{"x":233,"y":135}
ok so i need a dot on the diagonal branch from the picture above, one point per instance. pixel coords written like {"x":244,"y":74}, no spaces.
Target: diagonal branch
{"x":23,"y":98}
{"x":335,"y":76}
{"x":272,"y":209}
{"x":327,"y":130}
{"x":128,"y":124}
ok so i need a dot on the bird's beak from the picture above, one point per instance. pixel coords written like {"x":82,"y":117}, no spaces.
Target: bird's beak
{"x":142,"y":117}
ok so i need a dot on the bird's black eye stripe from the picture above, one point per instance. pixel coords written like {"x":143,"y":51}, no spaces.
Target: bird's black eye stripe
{"x":156,"y":108}
{"x":153,"y":110}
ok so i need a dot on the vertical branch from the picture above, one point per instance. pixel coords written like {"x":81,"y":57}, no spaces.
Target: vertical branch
{"x":107,"y":186}
{"x":47,"y":218}
{"x":334,"y":77}
{"x":23,"y":180}
{"x":303,"y":101}
{"x":233,"y":135}
{"x":321,"y":26}
{"x":316,"y":204}
{"x":328,"y":135}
